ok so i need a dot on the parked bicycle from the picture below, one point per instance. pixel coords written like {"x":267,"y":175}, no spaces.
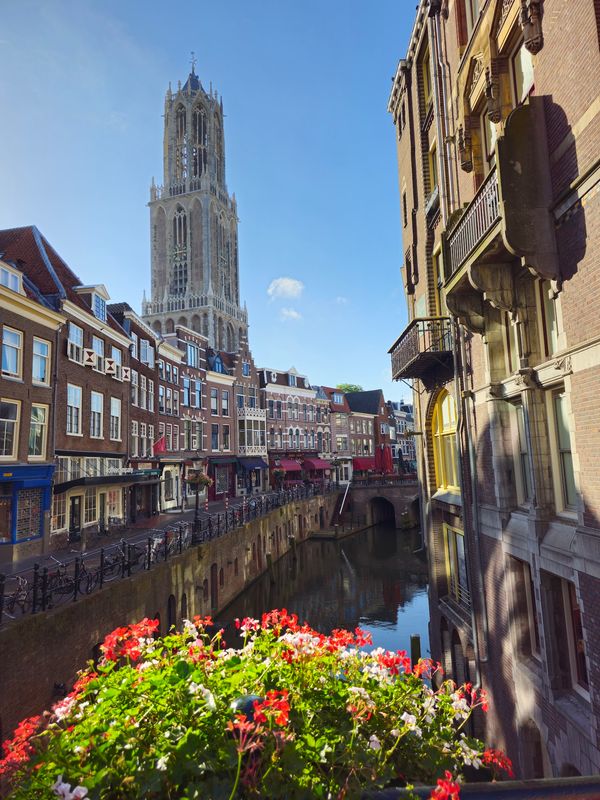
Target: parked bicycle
{"x":18,"y":598}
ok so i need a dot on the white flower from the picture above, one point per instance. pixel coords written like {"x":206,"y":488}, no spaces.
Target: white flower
{"x":460,"y":706}
{"x":409,"y":719}
{"x":63,"y":790}
{"x":374,"y":742}
{"x":470,"y":756}
{"x":190,"y":628}
{"x":362,"y":693}
{"x":395,"y":732}
{"x":209,"y":698}
{"x":64,"y":707}
{"x":161,"y":764}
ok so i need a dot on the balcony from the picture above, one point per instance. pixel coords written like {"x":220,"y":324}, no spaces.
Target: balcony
{"x":424,"y":351}
{"x":252,"y":450}
{"x":247,"y":412}
{"x":506,"y":232}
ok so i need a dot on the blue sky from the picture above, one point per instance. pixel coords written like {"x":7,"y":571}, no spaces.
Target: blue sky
{"x":309,"y":146}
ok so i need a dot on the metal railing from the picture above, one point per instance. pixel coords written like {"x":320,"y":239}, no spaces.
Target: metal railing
{"x":481,"y":215}
{"x":385,"y":480}
{"x":44,"y":587}
{"x":422,"y":335}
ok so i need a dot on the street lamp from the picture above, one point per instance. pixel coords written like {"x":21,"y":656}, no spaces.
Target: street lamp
{"x":198,"y":479}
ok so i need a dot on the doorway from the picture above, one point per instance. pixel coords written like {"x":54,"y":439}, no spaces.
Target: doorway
{"x":75,"y":514}
{"x":102,"y":512}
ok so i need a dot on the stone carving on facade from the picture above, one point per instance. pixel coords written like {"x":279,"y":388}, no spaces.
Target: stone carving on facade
{"x":526,"y":378}
{"x":530,"y":18}
{"x":465,"y":150}
{"x":506,"y":6}
{"x":475,"y":74}
{"x":495,"y":391}
{"x":564,"y":365}
{"x":492,"y":93}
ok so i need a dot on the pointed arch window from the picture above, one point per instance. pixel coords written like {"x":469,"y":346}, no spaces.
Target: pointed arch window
{"x":218,"y":151}
{"x":199,"y":149}
{"x":180,"y":123}
{"x":180,"y":239}
{"x":445,"y":453}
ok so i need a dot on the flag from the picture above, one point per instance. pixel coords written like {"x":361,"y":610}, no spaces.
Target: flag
{"x":160,"y":445}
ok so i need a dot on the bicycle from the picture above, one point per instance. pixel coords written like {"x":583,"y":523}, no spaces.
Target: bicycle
{"x":21,"y":597}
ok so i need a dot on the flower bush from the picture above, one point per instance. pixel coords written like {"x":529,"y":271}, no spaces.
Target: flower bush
{"x":292,"y":713}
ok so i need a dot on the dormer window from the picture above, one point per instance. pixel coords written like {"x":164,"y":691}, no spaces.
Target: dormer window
{"x":337,"y":398}
{"x":99,"y":307}
{"x":11,"y":279}
{"x":291,"y":380}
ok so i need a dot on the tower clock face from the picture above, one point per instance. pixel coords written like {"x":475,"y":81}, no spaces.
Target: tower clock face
{"x":195,"y":276}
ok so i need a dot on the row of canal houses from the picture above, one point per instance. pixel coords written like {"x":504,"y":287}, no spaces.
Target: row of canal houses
{"x":102,"y":419}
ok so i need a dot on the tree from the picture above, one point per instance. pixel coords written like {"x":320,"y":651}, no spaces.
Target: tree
{"x":349,"y":387}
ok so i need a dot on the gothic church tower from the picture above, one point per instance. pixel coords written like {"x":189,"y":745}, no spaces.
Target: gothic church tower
{"x":193,"y":220}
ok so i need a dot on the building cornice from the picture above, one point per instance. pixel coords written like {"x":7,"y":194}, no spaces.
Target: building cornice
{"x":20,"y":304}
{"x":93,"y":322}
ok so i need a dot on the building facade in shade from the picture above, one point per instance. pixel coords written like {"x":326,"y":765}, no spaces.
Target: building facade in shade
{"x":403,"y":444}
{"x":498,"y":152}
{"x":193,"y":225}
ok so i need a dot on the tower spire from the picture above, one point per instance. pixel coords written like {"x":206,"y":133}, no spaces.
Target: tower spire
{"x":193,"y":62}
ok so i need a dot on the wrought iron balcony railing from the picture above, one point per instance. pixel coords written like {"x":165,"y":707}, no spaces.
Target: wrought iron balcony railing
{"x":480,"y":217}
{"x":424,"y":351}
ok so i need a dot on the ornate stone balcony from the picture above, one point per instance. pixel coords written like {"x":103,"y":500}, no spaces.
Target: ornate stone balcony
{"x":253,"y":450}
{"x":246,"y":412}
{"x":424,"y":351}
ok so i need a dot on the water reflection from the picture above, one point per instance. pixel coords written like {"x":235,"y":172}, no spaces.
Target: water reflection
{"x":373,"y":579}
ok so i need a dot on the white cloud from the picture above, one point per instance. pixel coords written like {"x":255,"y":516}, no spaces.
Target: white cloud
{"x":341,"y":301}
{"x":289,"y":313}
{"x":285,"y":287}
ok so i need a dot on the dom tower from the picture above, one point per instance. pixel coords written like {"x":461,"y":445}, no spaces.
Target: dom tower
{"x":194,"y":244}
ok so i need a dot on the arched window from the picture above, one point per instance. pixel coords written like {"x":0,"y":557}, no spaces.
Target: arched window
{"x":179,"y":276}
{"x":180,"y":123}
{"x":218,"y":151}
{"x":445,"y":455}
{"x":199,"y":148}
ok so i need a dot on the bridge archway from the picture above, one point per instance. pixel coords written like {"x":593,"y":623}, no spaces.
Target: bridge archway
{"x":382,"y":511}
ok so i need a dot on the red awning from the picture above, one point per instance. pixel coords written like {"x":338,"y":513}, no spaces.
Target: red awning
{"x":316,"y":463}
{"x":288,"y":465}
{"x":364,"y":463}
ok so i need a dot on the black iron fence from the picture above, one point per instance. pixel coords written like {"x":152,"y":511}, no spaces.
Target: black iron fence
{"x":47,"y":586}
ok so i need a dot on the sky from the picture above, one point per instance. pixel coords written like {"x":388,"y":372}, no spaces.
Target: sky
{"x":310,"y":155}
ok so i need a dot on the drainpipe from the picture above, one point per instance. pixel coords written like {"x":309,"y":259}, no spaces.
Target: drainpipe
{"x":483,"y":655}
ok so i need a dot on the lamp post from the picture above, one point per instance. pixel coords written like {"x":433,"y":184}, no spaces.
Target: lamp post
{"x":336,"y":464}
{"x":198,"y":479}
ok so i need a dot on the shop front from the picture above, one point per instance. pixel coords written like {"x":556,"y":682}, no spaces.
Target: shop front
{"x":316,"y":470}
{"x":25,"y":500}
{"x":251,"y":475}
{"x":170,"y":485}
{"x":222,"y":470}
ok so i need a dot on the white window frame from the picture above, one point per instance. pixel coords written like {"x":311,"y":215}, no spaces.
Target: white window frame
{"x":560,"y":491}
{"x":115,"y":419}
{"x":18,"y":375}
{"x":44,"y":425}
{"x":15,"y":449}
{"x":95,"y":411}
{"x":75,"y":343}
{"x":117,"y":357}
{"x":46,"y":359}
{"x":71,"y":429}
{"x":11,"y":279}
{"x":98,"y":348}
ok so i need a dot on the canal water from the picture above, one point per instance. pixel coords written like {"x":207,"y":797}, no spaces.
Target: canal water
{"x":375,"y":579}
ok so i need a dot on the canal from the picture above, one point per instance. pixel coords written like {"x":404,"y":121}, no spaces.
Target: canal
{"x":375,"y":579}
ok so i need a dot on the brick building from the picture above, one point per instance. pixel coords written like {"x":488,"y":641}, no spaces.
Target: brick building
{"x":29,"y":333}
{"x":222,"y":421}
{"x":370,"y":407}
{"x":340,"y":434}
{"x":168,"y":452}
{"x":498,"y":152}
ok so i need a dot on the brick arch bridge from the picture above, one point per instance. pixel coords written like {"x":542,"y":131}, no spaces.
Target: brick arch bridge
{"x":385,"y":500}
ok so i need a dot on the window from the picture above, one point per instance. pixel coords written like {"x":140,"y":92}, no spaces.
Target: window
{"x":240,"y":397}
{"x":38,"y":429}
{"x":40,"y":367}
{"x":426,"y":73}
{"x":176,"y":442}
{"x":169,"y":437}
{"x":565,"y":456}
{"x":525,"y":490}
{"x":161,"y":399}
{"x":133,"y":446}
{"x":341,"y":442}
{"x":96,"y":413}
{"x":433,"y":168}
{"x":143,"y":387}
{"x":73,"y":410}
{"x":338,"y":398}
{"x":176,"y":402}
{"x":12,"y":353}
{"x":444,"y":443}
{"x":226,"y":441}
{"x":168,"y":371}
{"x":224,"y":403}
{"x":115,"y":419}
{"x":147,"y":353}
{"x":99,"y":307}
{"x":404,"y":210}
{"x":522,"y":73}
{"x":161,"y":369}
{"x":198,"y":394}
{"x":89,"y":505}
{"x":214,"y":437}
{"x":456,"y":565}
{"x":291,"y":380}
{"x":246,"y":369}
{"x":134,"y":349}
{"x":117,"y":356}
{"x":150,"y":450}
{"x":214,"y":402}
{"x":9,"y":427}
{"x":98,"y":348}
{"x":489,"y":135}
{"x":150,"y":395}
{"x":10,"y":279}
{"x":278,"y":409}
{"x":146,"y":434}
{"x":526,"y":623}
{"x":135,"y":395}
{"x":59,"y":511}
{"x":576,"y":641}
{"x":271,"y":409}
{"x":185,"y":400}
{"x":193,"y":355}
{"x":252,"y":397}
{"x":75,"y":343}
{"x":472,"y":11}
{"x":169,"y":405}
{"x":175,"y":375}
